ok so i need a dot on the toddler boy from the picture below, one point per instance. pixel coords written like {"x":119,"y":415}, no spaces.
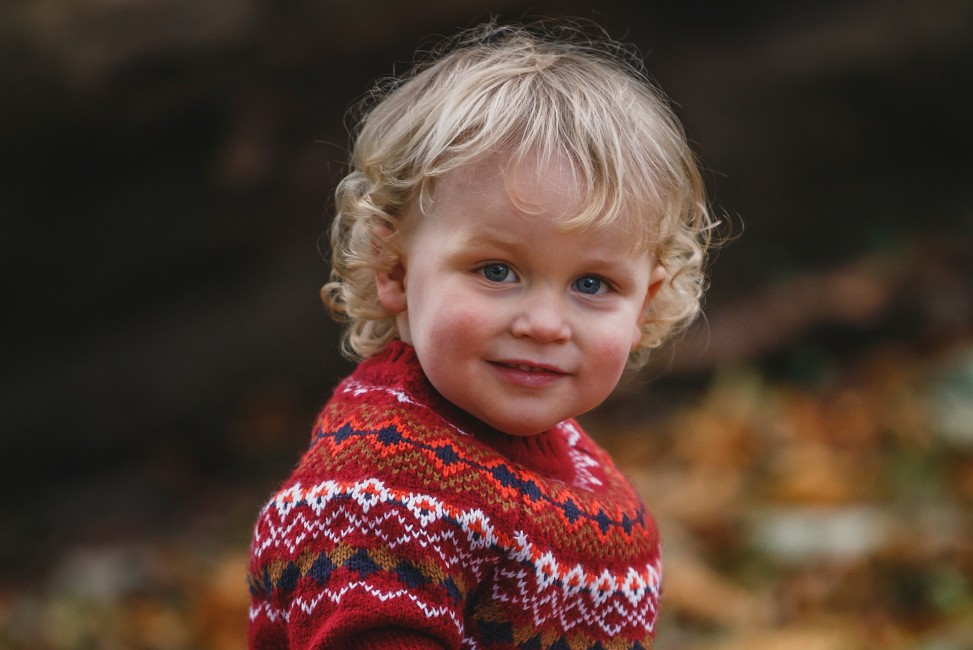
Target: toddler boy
{"x":523,"y":220}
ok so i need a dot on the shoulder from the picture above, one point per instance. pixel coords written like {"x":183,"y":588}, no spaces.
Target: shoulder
{"x":363,"y":530}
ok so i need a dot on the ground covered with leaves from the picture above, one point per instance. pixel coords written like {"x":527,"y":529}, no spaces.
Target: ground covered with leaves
{"x":827,"y":516}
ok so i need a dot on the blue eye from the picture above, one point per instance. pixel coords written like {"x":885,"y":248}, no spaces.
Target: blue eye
{"x":591,"y":285}
{"x":497,"y":273}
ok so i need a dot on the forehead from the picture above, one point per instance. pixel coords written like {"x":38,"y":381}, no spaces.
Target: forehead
{"x":546,"y":186}
{"x":491,"y":204}
{"x":533,"y":186}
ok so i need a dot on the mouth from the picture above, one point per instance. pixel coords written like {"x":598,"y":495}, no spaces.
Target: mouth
{"x":529,"y":369}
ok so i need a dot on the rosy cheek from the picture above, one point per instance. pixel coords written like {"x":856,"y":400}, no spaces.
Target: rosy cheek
{"x":459,"y":319}
{"x":472,"y":319}
{"x":463,"y":308}
{"x":611,"y":352}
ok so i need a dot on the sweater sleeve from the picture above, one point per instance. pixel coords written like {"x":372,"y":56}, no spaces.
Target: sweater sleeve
{"x":357,"y":564}
{"x":396,"y":639}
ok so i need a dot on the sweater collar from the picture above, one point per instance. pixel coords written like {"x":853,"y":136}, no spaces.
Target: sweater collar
{"x":397,"y":366}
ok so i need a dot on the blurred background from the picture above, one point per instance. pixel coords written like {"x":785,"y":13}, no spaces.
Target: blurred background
{"x":166,"y":169}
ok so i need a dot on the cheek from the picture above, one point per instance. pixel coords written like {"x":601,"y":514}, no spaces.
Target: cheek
{"x":454,"y":335}
{"x":453,"y":318}
{"x":466,"y":315}
{"x":611,"y":347}
{"x":632,"y":328}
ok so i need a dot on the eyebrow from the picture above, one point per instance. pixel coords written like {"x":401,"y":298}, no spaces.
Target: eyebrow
{"x":612,"y":265}
{"x":498,"y":240}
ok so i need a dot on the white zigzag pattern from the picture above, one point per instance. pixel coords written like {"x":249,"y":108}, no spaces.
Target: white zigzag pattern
{"x":582,"y":462}
{"x":294,"y":529}
{"x":357,"y":388}
{"x":445,"y":544}
{"x":551,"y":589}
{"x":307,"y":605}
{"x":545,"y":604}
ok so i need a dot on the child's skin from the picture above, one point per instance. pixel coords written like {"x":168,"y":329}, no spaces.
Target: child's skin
{"x":515,"y":319}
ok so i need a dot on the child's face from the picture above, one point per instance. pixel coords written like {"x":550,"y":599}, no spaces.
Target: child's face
{"x":513,"y":319}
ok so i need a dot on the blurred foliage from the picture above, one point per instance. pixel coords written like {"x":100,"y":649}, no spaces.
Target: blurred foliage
{"x":817,"y":515}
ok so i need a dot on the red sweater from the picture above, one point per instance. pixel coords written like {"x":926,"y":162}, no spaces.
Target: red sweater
{"x":408,"y":524}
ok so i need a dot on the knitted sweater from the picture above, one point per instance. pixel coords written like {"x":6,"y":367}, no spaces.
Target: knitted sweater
{"x":409,"y":524}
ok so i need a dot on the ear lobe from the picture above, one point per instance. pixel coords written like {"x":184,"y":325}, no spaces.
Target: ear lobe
{"x":389,"y":281}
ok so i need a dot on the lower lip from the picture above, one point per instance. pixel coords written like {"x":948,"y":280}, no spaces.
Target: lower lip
{"x":528,"y":378}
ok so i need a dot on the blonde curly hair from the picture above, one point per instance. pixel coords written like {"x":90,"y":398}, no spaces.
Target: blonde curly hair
{"x":529,"y":91}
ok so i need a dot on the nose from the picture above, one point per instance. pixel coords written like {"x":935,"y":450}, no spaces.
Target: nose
{"x":541,"y":317}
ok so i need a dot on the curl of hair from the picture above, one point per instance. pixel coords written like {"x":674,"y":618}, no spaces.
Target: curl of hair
{"x":530,"y":92}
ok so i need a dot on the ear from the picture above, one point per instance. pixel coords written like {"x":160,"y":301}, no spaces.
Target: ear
{"x":656,"y":279}
{"x":389,"y":280}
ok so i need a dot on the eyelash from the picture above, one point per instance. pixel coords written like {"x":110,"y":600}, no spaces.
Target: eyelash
{"x":603,"y":283}
{"x":507,"y":272}
{"x":493,"y":266}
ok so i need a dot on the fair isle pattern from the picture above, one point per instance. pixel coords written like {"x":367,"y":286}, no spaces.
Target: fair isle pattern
{"x":635,"y":592}
{"x":397,"y":514}
{"x":505,"y":479}
{"x":581,"y":461}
